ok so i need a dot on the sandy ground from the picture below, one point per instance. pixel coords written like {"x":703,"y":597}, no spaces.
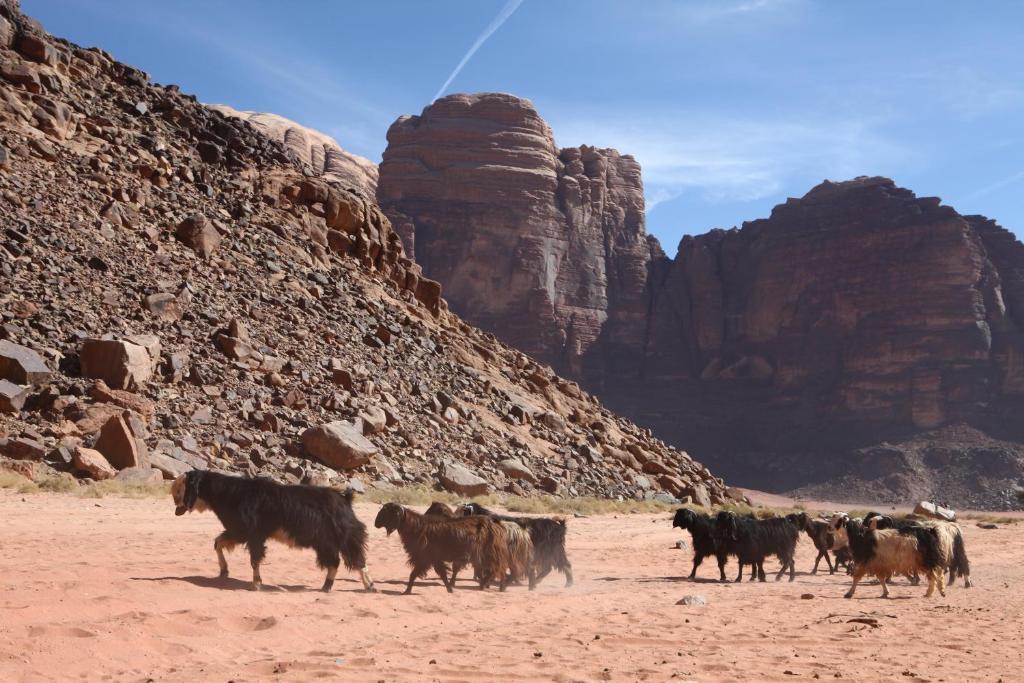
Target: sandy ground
{"x":120,"y":589}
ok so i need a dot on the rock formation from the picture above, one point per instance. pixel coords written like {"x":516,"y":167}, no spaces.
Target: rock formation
{"x":782,"y":352}
{"x":178,"y":290}
{"x":545,"y":247}
{"x":314,"y":150}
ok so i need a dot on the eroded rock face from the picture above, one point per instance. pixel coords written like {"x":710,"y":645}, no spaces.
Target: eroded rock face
{"x":319,"y":152}
{"x":857,"y":314}
{"x":545,"y":247}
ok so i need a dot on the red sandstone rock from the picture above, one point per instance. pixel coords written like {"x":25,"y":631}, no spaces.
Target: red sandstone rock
{"x":312,"y":148}
{"x":198,"y":234}
{"x":93,"y":463}
{"x":120,"y":445}
{"x":120,"y":363}
{"x":21,"y":365}
{"x":543,"y":246}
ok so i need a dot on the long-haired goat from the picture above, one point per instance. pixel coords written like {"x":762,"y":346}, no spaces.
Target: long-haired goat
{"x":951,"y":542}
{"x":884,"y":552}
{"x":818,"y":530}
{"x":439,"y":509}
{"x":431,"y":541}
{"x":752,"y":540}
{"x":253,"y":510}
{"x":702,"y":530}
{"x":546,"y":534}
{"x":520,"y":547}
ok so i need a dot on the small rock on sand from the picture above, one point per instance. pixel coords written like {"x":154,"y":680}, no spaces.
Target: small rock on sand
{"x":692,"y":600}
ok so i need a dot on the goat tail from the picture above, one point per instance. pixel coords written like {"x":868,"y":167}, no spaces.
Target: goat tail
{"x":960,"y":566}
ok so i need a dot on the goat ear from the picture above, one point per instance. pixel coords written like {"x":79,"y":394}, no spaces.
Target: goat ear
{"x":192,"y":480}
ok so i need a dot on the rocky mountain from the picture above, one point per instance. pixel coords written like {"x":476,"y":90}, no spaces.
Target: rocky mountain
{"x":805,"y":350}
{"x":313,"y":150}
{"x":180,"y":290}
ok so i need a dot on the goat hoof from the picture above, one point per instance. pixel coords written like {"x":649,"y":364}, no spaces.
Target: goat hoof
{"x":257,"y":586}
{"x":223,"y":574}
{"x":848,"y":595}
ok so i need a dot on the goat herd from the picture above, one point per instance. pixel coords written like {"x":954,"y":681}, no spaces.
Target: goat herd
{"x":502,"y":548}
{"x":876,"y":545}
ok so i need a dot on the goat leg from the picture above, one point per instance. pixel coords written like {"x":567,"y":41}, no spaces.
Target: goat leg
{"x":857,"y":575}
{"x":442,"y":571}
{"x":697,"y":559}
{"x":417,"y":571}
{"x":367,"y":581}
{"x":220,"y":544}
{"x":567,"y":570}
{"x":329,"y":581}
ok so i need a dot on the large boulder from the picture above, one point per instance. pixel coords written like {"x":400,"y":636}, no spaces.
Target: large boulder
{"x":934,"y":511}
{"x":21,"y":365}
{"x":457,"y":479}
{"x":121,"y":442}
{"x":338,"y":444}
{"x":515,"y":468}
{"x":140,"y":475}
{"x":199,"y":234}
{"x":120,"y":363}
{"x":12,"y":397}
{"x":169,"y":466}
{"x":93,"y":463}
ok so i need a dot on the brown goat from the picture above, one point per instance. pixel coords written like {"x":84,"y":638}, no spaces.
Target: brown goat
{"x":431,"y":541}
{"x":439,"y":509}
{"x":520,"y":550}
{"x":520,"y":547}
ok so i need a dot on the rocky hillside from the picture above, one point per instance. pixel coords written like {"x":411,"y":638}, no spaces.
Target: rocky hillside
{"x":177,"y":291}
{"x":786,"y":353}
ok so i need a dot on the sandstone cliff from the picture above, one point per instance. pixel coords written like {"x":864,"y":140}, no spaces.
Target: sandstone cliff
{"x":545,"y":247}
{"x":312,"y":149}
{"x":178,"y":290}
{"x":857,"y":314}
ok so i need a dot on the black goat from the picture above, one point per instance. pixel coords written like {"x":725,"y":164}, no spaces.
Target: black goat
{"x":752,"y":540}
{"x":819,"y":531}
{"x":547,"y":535}
{"x":253,"y":510}
{"x":702,"y":530}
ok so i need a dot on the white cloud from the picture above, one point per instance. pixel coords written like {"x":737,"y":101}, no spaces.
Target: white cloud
{"x":727,"y":160}
{"x":704,"y":12}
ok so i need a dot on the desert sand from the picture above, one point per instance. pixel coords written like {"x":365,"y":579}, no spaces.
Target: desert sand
{"x":121,"y":589}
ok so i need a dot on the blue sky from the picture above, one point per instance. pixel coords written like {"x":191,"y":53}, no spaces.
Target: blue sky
{"x":730,"y":105}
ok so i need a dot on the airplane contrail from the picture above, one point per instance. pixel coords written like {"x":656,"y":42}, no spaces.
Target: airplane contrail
{"x":998,"y":185}
{"x":510,"y":7}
